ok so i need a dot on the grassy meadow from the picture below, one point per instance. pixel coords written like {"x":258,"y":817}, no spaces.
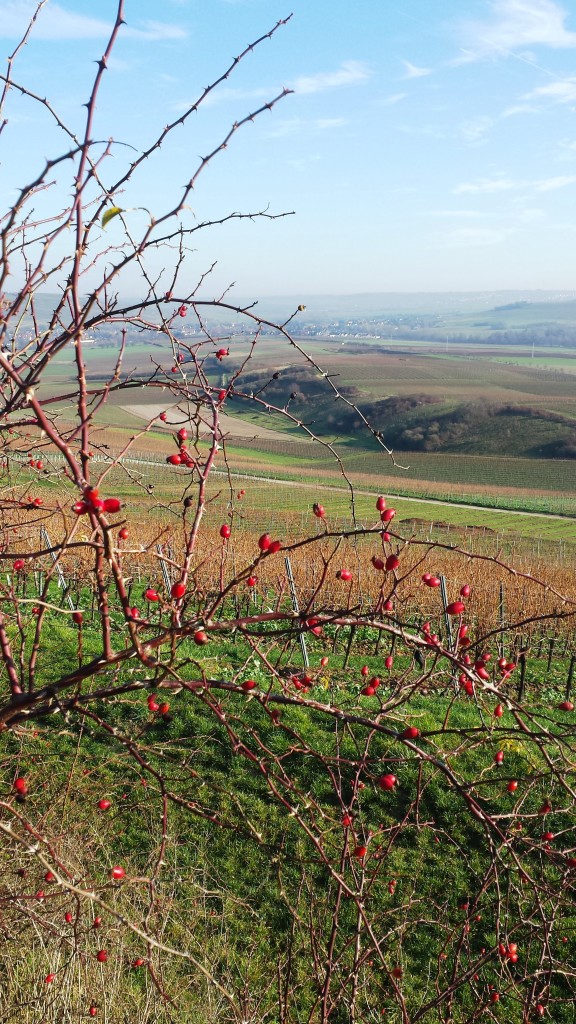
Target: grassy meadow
{"x":238,"y":885}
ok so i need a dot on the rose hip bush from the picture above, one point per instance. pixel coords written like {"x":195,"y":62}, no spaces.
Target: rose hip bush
{"x":202,"y":817}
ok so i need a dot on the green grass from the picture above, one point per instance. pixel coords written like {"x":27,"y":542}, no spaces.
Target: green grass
{"x":225,"y":893}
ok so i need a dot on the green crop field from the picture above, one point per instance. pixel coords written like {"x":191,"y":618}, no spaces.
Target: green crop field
{"x":563,"y":363}
{"x":496,"y":463}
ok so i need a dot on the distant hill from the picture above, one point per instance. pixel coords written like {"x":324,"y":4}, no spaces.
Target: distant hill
{"x":537,"y":304}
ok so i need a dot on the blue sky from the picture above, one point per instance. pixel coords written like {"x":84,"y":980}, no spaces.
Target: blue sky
{"x":427,"y":146}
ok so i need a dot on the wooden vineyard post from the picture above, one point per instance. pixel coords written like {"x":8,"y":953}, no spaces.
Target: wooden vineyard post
{"x":522,"y":663}
{"x":501,"y":615}
{"x":569,"y":679}
{"x":295,"y":607}
{"x":551,"y":645}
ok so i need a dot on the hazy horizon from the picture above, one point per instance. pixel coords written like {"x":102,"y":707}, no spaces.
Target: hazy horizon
{"x":377,"y":303}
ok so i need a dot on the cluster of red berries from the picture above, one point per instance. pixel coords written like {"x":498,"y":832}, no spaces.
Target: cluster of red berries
{"x":267,"y":545}
{"x":386,"y":514}
{"x":92,"y":502}
{"x":157,"y":708}
{"x":177,"y":591}
{"x":371,"y":686}
{"x":182,"y":457}
{"x":302,"y":682}
{"x":510,"y":951}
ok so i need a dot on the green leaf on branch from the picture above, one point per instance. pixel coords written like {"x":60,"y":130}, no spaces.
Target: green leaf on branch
{"x":107,"y":216}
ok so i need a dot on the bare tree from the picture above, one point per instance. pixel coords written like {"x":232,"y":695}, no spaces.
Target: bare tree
{"x":195,"y":823}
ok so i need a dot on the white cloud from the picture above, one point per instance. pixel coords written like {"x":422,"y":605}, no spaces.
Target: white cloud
{"x":563,"y":91}
{"x":156,"y":31}
{"x":53,"y":22}
{"x":428,"y":131}
{"x":519,"y":108}
{"x":390,"y":101}
{"x":351,"y":72}
{"x":56,"y":22}
{"x":294,"y":125}
{"x":325,"y":123}
{"x":500,"y":183}
{"x":303,"y":163}
{"x":473,"y":236}
{"x":518,"y":23}
{"x":290,"y":126}
{"x":551,"y":184}
{"x":531,"y":215}
{"x":477,"y":128}
{"x":226,"y":94}
{"x":412,"y":71}
{"x":458,"y":214}
{"x":487,"y":186}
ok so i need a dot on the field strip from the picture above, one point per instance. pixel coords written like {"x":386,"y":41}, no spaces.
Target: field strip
{"x":358,"y":491}
{"x":403,"y":497}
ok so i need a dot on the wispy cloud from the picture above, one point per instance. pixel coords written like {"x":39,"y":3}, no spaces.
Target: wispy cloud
{"x":281,"y":129}
{"x":390,"y":101}
{"x":551,"y":184}
{"x":476,"y":129}
{"x":428,"y":131}
{"x":227,"y":94}
{"x":467,"y":237}
{"x":327,"y":123}
{"x":57,"y":22}
{"x":457,"y":214}
{"x":351,"y":72}
{"x":520,"y":108}
{"x":531,"y":215}
{"x":156,"y":31}
{"x":489,"y":186}
{"x":412,"y":71}
{"x":299,"y":125}
{"x":516,"y":24}
{"x":486,"y":186}
{"x":563,"y":91}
